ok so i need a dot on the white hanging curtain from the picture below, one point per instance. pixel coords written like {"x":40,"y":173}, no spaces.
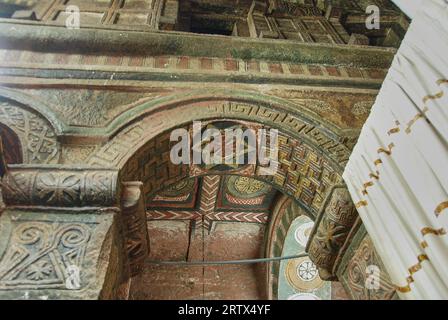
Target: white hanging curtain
{"x":398,"y":172}
{"x":410,"y":7}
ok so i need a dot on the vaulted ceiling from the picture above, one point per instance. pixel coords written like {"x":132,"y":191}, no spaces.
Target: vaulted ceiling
{"x":212,"y":218}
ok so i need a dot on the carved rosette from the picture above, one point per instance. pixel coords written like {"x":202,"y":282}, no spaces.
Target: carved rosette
{"x":331,"y":231}
{"x":60,"y":187}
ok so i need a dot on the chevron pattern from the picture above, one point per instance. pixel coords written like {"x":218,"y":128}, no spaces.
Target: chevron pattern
{"x":252,"y":217}
{"x":210,"y":191}
{"x":206,"y":214}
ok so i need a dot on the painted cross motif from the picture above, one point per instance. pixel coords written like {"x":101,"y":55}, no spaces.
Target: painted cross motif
{"x":207,"y":213}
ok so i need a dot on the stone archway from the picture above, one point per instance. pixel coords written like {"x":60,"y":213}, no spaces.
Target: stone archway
{"x":311,"y":160}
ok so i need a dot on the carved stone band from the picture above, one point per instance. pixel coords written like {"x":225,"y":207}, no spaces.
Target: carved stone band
{"x":331,"y":231}
{"x":56,"y":186}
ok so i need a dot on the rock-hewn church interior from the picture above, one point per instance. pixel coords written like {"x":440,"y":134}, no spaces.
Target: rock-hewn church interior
{"x":94,"y":97}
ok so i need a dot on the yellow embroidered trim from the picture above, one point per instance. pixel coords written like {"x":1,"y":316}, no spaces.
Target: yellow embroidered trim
{"x":427,"y":230}
{"x":416,"y":267}
{"x":377,"y":162}
{"x":438,"y":95}
{"x":393,"y":130}
{"x":366,"y":185}
{"x":386,"y":151}
{"x":407,"y":288}
{"x":413,"y":269}
{"x":376,"y":176}
{"x":437,"y":232}
{"x":425,"y":99}
{"x":360,"y":204}
{"x":442,"y":206}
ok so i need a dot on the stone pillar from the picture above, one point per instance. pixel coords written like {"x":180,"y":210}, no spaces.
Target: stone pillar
{"x":63,"y":233}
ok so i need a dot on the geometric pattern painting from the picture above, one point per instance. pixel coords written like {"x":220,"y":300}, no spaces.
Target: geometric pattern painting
{"x":299,"y":278}
{"x":210,"y":199}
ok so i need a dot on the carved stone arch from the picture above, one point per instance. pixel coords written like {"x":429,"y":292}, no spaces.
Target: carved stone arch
{"x":146,"y":121}
{"x":37,"y":136}
{"x":297,"y":105}
{"x":304,"y":172}
{"x":34,"y":105}
{"x":310,"y":163}
{"x":281,"y":218}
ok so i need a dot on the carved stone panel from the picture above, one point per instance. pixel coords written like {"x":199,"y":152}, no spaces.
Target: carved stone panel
{"x":60,"y":187}
{"x":38,"y":138}
{"x":362,"y":273}
{"x":58,"y":255}
{"x":331,"y":230}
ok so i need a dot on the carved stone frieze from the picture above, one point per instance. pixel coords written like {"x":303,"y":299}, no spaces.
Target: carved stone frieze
{"x":60,"y":187}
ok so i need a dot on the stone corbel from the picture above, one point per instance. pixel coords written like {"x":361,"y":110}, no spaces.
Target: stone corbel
{"x":331,"y":230}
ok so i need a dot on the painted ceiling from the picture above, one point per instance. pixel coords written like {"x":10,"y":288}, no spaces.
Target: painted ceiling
{"x":212,"y":218}
{"x":213,"y":199}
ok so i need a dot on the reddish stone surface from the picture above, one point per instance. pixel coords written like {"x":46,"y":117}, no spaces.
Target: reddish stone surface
{"x":183,"y":63}
{"x":296,"y":69}
{"x":338,"y":292}
{"x":161,"y":62}
{"x":333,"y":71}
{"x":315,"y":70}
{"x":231,"y":65}
{"x":275,"y":68}
{"x":206,"y":63}
{"x":226,"y":241}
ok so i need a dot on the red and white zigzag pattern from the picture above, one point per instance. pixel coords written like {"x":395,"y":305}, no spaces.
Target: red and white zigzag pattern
{"x":206,"y":214}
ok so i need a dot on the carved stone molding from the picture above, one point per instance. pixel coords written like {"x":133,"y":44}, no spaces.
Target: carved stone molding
{"x":60,"y":187}
{"x":331,"y":230}
{"x":134,"y":219}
